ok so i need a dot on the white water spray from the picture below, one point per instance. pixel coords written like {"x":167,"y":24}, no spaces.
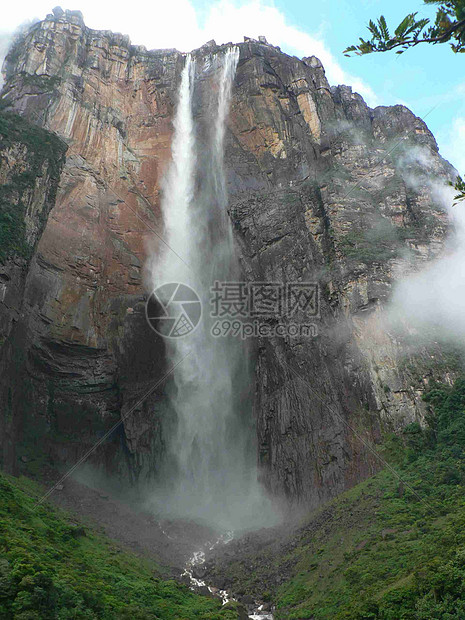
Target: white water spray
{"x":210,"y":473}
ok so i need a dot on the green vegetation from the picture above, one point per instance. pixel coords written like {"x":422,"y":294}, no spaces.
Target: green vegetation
{"x":51,"y":568}
{"x":459,"y":186}
{"x":45,"y":83}
{"x":448,"y":27}
{"x":43,"y":154}
{"x":367,"y":246}
{"x":390,"y":548}
{"x":382,"y":552}
{"x":449,"y":357}
{"x":378,"y":243}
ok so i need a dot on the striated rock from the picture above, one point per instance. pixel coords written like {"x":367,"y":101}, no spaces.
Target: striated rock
{"x":89,"y":360}
{"x":31,"y":160}
{"x":327,"y":196}
{"x":322,"y":189}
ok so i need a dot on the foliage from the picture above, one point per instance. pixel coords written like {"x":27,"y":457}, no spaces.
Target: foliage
{"x":448,"y":27}
{"x":376,"y":244}
{"x":389,"y":548}
{"x":43,"y":154}
{"x":459,"y":186}
{"x":367,"y":246}
{"x":51,"y":568}
{"x":45,"y":83}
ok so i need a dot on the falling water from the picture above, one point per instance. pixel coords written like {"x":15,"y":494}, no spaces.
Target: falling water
{"x":210,"y":470}
{"x":179,"y":185}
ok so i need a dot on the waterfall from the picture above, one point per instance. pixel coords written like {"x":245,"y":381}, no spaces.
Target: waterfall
{"x":210,"y":470}
{"x":224,"y":95}
{"x":179,"y":184}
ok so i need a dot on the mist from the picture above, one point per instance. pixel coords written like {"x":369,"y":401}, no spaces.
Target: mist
{"x":8,"y":38}
{"x":431,"y":300}
{"x":429,"y":297}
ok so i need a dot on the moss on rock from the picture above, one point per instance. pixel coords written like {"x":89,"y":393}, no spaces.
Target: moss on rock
{"x":43,"y":154}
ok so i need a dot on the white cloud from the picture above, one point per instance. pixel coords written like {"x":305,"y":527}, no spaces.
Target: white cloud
{"x":179,"y":24}
{"x":432,"y":301}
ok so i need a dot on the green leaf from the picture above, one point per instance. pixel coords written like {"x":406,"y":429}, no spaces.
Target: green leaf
{"x":373,"y":28}
{"x":404,"y":24}
{"x":383,"y":27}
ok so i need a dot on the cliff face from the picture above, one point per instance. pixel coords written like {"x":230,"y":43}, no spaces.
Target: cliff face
{"x":90,"y":353}
{"x":327,"y":190}
{"x":322,"y":189}
{"x":31,"y":160}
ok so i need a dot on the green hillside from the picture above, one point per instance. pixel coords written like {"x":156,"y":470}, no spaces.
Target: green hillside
{"x":379,"y":550}
{"x":52,"y":568}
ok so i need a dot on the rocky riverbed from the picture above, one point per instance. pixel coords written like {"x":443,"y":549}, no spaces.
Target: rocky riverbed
{"x":196,"y":572}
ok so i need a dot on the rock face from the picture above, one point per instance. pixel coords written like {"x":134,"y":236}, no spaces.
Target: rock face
{"x":322,"y":189}
{"x":327,"y":190}
{"x":31,"y":160}
{"x":90,"y":353}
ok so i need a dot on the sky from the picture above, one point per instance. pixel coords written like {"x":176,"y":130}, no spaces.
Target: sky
{"x":430,"y":80}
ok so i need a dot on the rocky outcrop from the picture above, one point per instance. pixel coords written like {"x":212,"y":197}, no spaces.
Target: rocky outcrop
{"x":322,"y":189}
{"x":31,"y":161}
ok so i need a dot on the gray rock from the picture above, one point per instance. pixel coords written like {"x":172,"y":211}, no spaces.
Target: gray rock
{"x":247,"y":599}
{"x":209,"y":44}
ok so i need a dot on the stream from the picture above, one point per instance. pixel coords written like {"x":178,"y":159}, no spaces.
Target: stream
{"x":255,"y":611}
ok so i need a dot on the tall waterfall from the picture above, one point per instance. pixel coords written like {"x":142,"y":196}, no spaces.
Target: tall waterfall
{"x":179,"y":185}
{"x":210,"y":471}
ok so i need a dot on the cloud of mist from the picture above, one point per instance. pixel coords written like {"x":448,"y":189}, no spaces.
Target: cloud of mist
{"x":433,"y":299}
{"x":6,"y":39}
{"x":430,"y":301}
